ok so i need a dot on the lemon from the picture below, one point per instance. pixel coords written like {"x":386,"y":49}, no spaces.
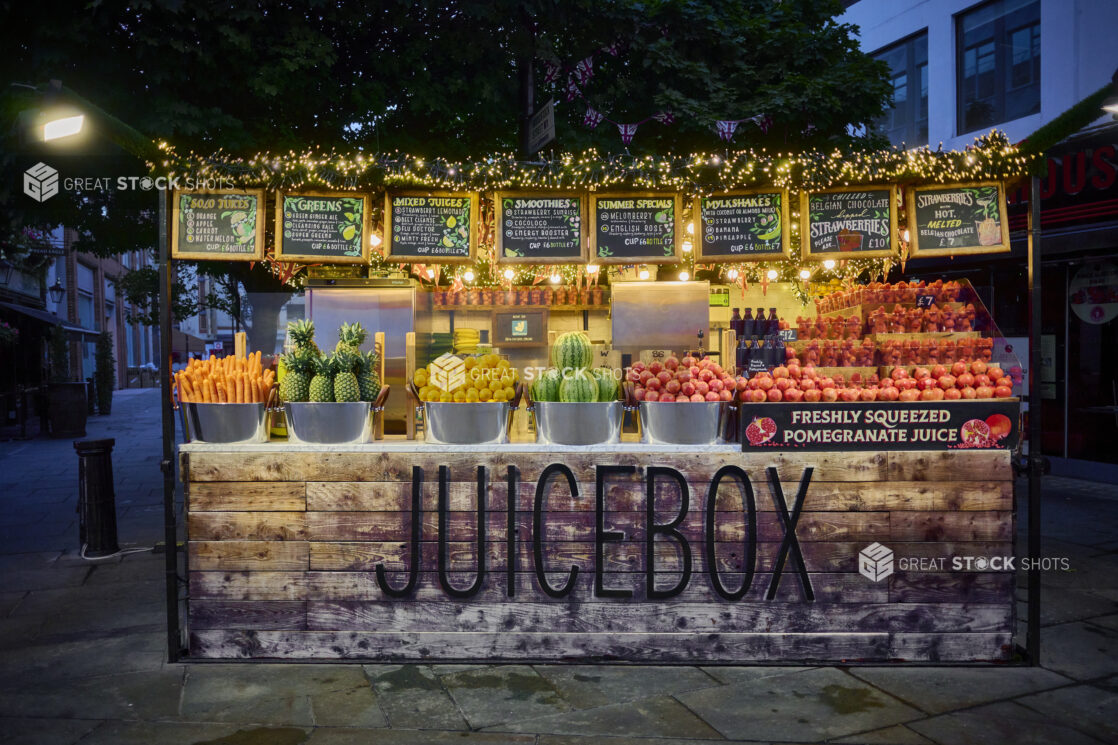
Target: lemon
{"x":447,"y":242}
{"x":485,"y":394}
{"x":421,"y":378}
{"x":451,"y":221}
{"x":509,"y":392}
{"x":470,"y":362}
{"x":460,"y":396}
{"x":348,"y":232}
{"x":446,"y":398}
{"x":471,"y":395}
{"x":503,"y":364}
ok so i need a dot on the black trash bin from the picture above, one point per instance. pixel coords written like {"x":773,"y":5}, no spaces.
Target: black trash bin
{"x":96,"y":497}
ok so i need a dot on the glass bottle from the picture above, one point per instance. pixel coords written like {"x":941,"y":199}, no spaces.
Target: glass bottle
{"x":748,"y":325}
{"x":735,"y":322}
{"x":772,"y":326}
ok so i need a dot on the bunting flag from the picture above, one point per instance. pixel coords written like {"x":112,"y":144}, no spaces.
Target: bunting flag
{"x":628,"y":131}
{"x":584,"y":70}
{"x":551,"y":72}
{"x":456,"y":286}
{"x":726,"y":129}
{"x":572,"y":89}
{"x":592,"y":118}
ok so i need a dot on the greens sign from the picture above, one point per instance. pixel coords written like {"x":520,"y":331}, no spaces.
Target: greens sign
{"x":327,"y":227}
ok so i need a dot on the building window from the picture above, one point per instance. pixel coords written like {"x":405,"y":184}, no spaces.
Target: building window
{"x":998,"y":65}
{"x":907,"y":121}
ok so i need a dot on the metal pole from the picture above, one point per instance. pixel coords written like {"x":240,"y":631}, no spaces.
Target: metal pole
{"x":527,"y":84}
{"x":167,"y":463}
{"x":1035,"y":463}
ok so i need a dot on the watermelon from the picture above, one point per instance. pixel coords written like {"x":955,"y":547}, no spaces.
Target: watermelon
{"x":578,"y":386}
{"x":607,"y":383}
{"x":546,"y":386}
{"x":571,"y":350}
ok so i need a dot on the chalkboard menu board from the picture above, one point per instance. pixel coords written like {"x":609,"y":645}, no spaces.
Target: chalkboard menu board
{"x":635,"y":228}
{"x":323,"y":227}
{"x":224,"y":225}
{"x":958,"y":219}
{"x":742,"y":226}
{"x":430,"y":227}
{"x":521,"y":327}
{"x":855,"y":222}
{"x":540,"y":227}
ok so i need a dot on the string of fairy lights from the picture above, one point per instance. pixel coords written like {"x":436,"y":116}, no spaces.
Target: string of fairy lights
{"x":990,"y":158}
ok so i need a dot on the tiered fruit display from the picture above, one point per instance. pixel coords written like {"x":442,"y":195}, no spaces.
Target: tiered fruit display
{"x":958,"y":381}
{"x":346,"y":376}
{"x":682,"y":381}
{"x":489,"y":377}
{"x":572,"y":380}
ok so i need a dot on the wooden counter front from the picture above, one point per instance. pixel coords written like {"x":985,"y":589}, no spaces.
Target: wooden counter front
{"x":285,"y":541}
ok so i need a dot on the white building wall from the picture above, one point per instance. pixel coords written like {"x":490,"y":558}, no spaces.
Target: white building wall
{"x":1078,"y":43}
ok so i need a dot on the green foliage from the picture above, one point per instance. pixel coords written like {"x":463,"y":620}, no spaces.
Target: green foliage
{"x":105,"y":372}
{"x":59,"y":353}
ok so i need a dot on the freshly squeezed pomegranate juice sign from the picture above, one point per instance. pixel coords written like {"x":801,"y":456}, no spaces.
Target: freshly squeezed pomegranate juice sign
{"x":877,"y":425}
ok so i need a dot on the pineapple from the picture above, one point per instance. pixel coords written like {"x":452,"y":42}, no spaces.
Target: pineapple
{"x":299,"y":364}
{"x":367,"y":376}
{"x":322,"y":384}
{"x":346,"y":388}
{"x":302,"y":335}
{"x":350,"y":336}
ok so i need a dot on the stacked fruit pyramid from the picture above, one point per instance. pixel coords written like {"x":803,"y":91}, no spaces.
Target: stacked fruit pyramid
{"x":344,"y":376}
{"x":571,"y":379}
{"x":489,"y":377}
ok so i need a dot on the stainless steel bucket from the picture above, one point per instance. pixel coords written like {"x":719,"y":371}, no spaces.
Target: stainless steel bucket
{"x":331,"y":424}
{"x":683,"y":423}
{"x":224,"y":423}
{"x":578,"y":423}
{"x":466,"y":423}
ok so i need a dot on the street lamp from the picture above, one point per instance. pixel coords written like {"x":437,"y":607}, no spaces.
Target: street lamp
{"x":56,"y":292}
{"x":66,"y":126}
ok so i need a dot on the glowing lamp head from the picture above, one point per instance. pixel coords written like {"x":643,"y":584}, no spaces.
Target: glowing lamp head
{"x":805,"y":274}
{"x":374,"y":240}
{"x":684,"y":275}
{"x":63,"y":127}
{"x":732,"y":274}
{"x":687,"y":247}
{"x":509,"y":274}
{"x":772,"y":274}
{"x":690,"y":228}
{"x":556,"y":279}
{"x":591,"y":268}
{"x":468,"y":275}
{"x":644,"y":274}
{"x":829,"y":264}
{"x":905,"y":235}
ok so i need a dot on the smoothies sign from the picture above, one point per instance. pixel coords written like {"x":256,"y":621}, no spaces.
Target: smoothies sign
{"x":437,"y":227}
{"x":957,"y":425}
{"x":860,"y":222}
{"x":218,"y":225}
{"x":743,"y":226}
{"x":539,"y":228}
{"x":326,"y":227}
{"x":635,"y":228}
{"x":961,"y":219}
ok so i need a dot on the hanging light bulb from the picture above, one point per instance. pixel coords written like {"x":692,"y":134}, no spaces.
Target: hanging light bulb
{"x":687,"y":247}
{"x":556,"y":279}
{"x":509,"y":274}
{"x":829,"y":264}
{"x":715,"y":160}
{"x":644,"y":274}
{"x":805,"y":274}
{"x":684,"y":275}
{"x":690,"y":228}
{"x":468,"y":275}
{"x":905,"y":236}
{"x":732,"y":274}
{"x":591,"y":268}
{"x":374,"y":240}
{"x":772,"y":274}
{"x":430,"y":274}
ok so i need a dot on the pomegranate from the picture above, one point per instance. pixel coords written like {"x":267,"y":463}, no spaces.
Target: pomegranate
{"x":830,"y":394}
{"x":638,"y":393}
{"x":939,"y":371}
{"x":928,"y":383}
{"x":909,"y":394}
{"x":1000,"y":425}
{"x":946,"y":381}
{"x":741,"y":383}
{"x":1003,"y":391}
{"x":672,"y":387}
{"x":687,"y":389}
{"x":654,"y":384}
{"x":809,"y":372}
{"x":712,"y":397}
{"x":920,"y":373}
{"x":952,"y":394}
{"x":645,"y":376}
{"x":656,"y":367}
{"x":681,"y":399}
{"x":695,"y":370}
{"x":764,"y":382}
{"x":898,"y":373}
{"x":964,"y":380}
{"x":758,"y":395}
{"x":978,"y":367}
{"x":701,"y":387}
{"x":795,"y":371}
{"x":664,"y":376}
{"x":688,"y":361}
{"x":775,"y":394}
{"x":869,"y":394}
{"x":974,"y":432}
{"x":826,"y":383}
{"x":958,"y":368}
{"x":683,"y":375}
{"x":813,"y":395}
{"x":984,"y":391}
{"x":651,"y":396}
{"x":808,"y":385}
{"x":672,"y":363}
{"x":969,"y":392}
{"x":726,"y":395}
{"x":995,"y":373}
{"x":784,"y":384}
{"x":633,"y":376}
{"x":716,"y":385}
{"x":706,"y":375}
{"x":780,"y":372}
{"x":639,"y":366}
{"x":760,"y":430}
{"x":850,"y":394}
{"x":795,"y":395}
{"x":716,"y":369}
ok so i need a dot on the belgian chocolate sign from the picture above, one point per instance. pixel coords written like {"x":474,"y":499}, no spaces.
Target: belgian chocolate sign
{"x":635,"y":228}
{"x":540,"y":227}
{"x":222,"y":225}
{"x":853,"y":222}
{"x":328,"y":227}
{"x":958,"y":219}
{"x":882,"y":425}
{"x":430,"y":227}
{"x":743,"y":226}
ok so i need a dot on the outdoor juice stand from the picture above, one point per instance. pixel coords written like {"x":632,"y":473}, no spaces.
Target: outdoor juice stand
{"x":782,"y":530}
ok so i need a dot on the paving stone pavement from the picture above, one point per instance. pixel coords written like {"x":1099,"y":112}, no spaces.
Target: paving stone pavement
{"x":82,"y":652}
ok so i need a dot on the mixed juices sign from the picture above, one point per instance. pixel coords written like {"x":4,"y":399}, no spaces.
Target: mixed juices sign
{"x":434,"y":227}
{"x":743,"y":226}
{"x":537,"y":228}
{"x":635,"y":228}
{"x":924,"y":425}
{"x":218,"y":225}
{"x":859,"y":221}
{"x":329,"y":227}
{"x":958,"y":219}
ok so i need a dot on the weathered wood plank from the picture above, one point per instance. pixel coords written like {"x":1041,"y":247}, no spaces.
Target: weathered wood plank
{"x":241,"y":614}
{"x":951,"y":526}
{"x":683,"y":647}
{"x":247,"y":526}
{"x":601,"y":618}
{"x":249,"y":585}
{"x":951,"y":587}
{"x":948,"y":465}
{"x":975,"y":495}
{"x":244,"y":496}
{"x":278,"y":556}
{"x":397,"y":466}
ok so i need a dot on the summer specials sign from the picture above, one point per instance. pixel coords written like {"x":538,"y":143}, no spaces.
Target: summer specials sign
{"x":958,"y":219}
{"x":925,"y":425}
{"x":743,"y":226}
{"x":860,"y":222}
{"x":635,"y":228}
{"x":540,"y":228}
{"x":218,"y":225}
{"x":432,"y":227}
{"x":329,"y":227}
